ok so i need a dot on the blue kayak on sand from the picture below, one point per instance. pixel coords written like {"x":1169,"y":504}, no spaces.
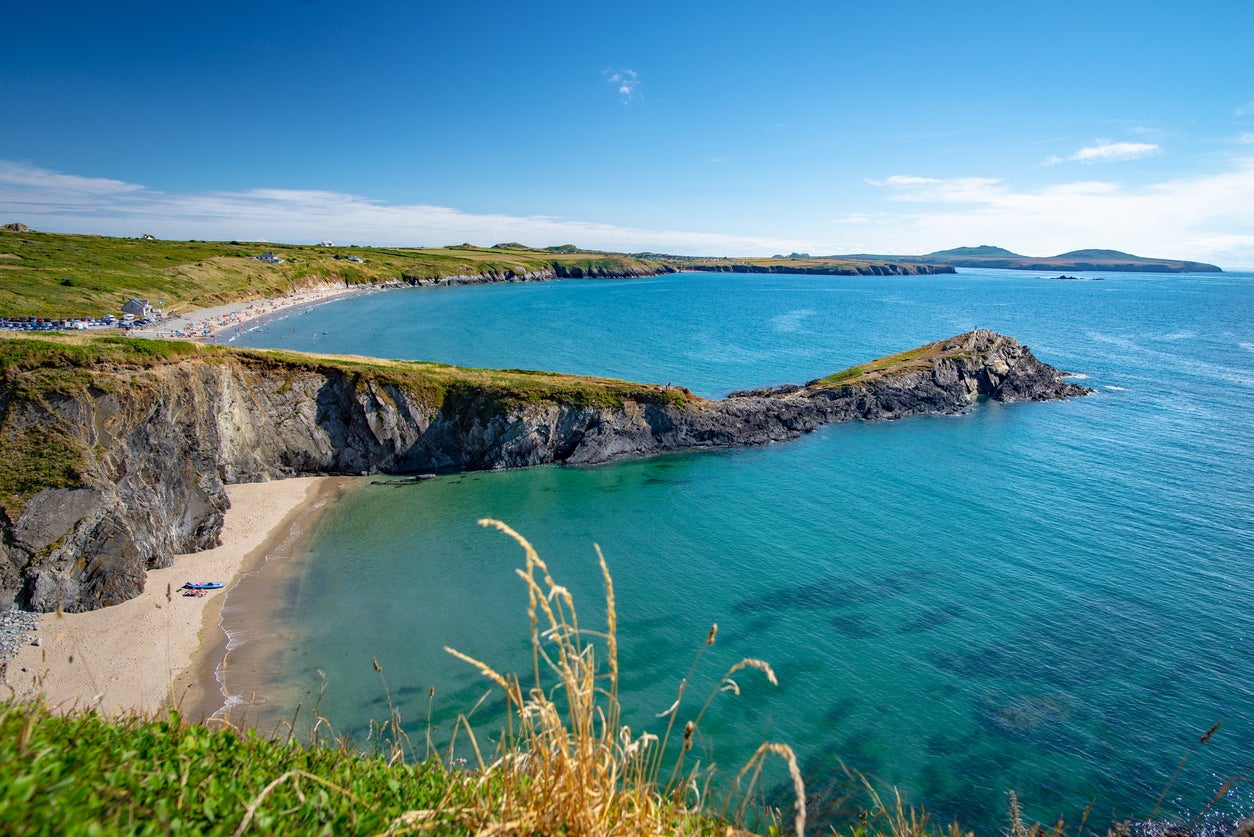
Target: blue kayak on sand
{"x":202,"y":585}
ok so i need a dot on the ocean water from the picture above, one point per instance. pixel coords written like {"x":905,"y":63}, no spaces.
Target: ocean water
{"x":1051,"y":598}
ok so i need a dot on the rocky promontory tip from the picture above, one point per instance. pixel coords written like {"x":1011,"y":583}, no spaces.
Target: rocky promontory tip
{"x":117,"y":452}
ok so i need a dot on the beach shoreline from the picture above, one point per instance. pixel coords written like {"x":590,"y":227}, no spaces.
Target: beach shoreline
{"x":147,"y":654}
{"x":226,"y":321}
{"x":217,"y":687}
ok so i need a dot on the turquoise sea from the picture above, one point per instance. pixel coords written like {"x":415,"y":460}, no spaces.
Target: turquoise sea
{"x":1052,"y":598}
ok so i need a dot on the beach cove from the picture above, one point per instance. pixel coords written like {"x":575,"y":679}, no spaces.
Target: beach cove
{"x":853,"y":559}
{"x":1013,"y":598}
{"x":157,"y":650}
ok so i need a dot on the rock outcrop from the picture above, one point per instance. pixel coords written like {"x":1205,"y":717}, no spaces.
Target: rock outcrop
{"x":140,"y":452}
{"x":556,"y":270}
{"x":896,"y":268}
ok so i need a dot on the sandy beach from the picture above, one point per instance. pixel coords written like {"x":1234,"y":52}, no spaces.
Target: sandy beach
{"x":138,"y":655}
{"x":209,"y":323}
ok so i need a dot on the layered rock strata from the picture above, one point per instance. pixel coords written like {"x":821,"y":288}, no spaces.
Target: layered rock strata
{"x":152,"y":445}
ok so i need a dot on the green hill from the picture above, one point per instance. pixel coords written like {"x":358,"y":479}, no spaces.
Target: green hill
{"x":1092,"y":259}
{"x":981,"y":252}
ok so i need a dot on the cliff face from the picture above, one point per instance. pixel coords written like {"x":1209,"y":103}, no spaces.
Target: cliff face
{"x":864,"y":269}
{"x":155,"y":444}
{"x":557,"y":270}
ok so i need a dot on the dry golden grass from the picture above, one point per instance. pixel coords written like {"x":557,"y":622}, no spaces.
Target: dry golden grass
{"x":567,"y":763}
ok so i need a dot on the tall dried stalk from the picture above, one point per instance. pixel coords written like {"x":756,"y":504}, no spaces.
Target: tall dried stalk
{"x":571,"y":765}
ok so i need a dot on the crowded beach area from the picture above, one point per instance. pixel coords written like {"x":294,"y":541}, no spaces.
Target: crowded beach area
{"x":210,"y":323}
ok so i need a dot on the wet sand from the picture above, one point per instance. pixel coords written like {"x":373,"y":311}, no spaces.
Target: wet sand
{"x":144,"y":655}
{"x":232,"y":680}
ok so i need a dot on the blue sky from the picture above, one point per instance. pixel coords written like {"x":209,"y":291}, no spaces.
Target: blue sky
{"x":717,"y":128}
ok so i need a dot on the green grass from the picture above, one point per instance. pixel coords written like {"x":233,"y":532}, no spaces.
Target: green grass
{"x":58,"y":357}
{"x":564,"y":764}
{"x":37,"y":369}
{"x":903,"y":363}
{"x":84,"y":774}
{"x":63,"y":275}
{"x":35,"y":460}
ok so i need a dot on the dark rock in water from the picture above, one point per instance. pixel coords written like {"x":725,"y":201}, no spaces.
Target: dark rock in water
{"x":158,"y":442}
{"x":414,"y":480}
{"x":1066,"y":278}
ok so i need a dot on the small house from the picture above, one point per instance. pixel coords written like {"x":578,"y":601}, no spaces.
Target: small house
{"x":269,"y":258}
{"x":137,"y":308}
{"x":327,"y":244}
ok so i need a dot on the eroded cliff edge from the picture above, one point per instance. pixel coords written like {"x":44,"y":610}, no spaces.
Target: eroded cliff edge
{"x":116,"y":451}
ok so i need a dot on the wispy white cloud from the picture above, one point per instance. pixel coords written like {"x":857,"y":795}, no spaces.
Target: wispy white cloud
{"x":51,"y":201}
{"x":936,"y":190}
{"x":1246,"y":139}
{"x":1246,"y":109}
{"x":625,"y":82}
{"x":1109,"y":152}
{"x":902,"y":180}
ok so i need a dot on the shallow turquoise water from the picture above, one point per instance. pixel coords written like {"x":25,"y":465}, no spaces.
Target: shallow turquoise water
{"x":1053,"y":598}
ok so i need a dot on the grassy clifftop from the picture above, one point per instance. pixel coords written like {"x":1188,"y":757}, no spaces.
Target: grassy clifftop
{"x":51,"y":357}
{"x":61,"y":275}
{"x":919,"y":359}
{"x":35,"y":369}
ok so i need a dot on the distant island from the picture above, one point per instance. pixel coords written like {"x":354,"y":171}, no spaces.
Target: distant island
{"x":988,"y":256}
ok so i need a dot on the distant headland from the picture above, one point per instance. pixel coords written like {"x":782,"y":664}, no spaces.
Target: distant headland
{"x":999,"y":257}
{"x":54,"y":276}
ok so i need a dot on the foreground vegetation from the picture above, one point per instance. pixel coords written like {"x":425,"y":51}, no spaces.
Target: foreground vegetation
{"x":564,"y":764}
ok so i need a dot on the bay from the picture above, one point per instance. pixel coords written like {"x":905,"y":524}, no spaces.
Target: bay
{"x":1050,"y":598}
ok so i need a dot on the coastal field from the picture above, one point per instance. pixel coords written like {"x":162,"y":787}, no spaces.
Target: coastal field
{"x":64,"y":275}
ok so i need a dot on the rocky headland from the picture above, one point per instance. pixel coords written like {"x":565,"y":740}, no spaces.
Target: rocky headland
{"x":832,"y":266}
{"x":117,"y":451}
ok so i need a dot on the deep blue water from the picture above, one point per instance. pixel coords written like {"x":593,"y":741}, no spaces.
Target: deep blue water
{"x":1051,"y":598}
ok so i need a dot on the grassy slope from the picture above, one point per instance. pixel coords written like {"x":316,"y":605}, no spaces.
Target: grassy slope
{"x":59,"y":275}
{"x":890,"y":366}
{"x":85,"y":775}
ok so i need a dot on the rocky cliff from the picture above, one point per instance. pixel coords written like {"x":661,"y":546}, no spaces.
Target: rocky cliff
{"x":118,"y":455}
{"x":826,"y":267}
{"x":556,"y":270}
